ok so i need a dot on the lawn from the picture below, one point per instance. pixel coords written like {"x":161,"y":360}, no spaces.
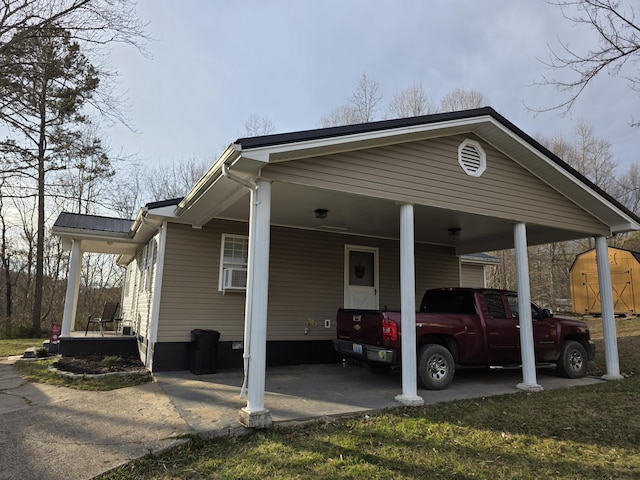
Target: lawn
{"x":17,"y":346}
{"x":579,"y":433}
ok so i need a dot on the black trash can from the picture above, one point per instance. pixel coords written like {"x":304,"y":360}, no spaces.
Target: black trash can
{"x":204,"y":351}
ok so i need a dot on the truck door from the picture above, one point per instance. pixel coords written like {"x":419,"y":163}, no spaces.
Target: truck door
{"x":544,"y":331}
{"x":503,"y":335}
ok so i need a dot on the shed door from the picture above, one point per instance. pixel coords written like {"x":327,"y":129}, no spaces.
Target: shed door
{"x":361,"y":277}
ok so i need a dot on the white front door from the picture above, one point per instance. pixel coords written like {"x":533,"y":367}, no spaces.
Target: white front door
{"x":361,"y":277}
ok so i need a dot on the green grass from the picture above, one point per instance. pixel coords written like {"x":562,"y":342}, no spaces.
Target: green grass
{"x":38,"y":371}
{"x":17,"y":346}
{"x":578,"y":433}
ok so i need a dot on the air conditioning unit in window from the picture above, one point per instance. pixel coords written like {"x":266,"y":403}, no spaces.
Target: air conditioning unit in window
{"x":234,"y":279}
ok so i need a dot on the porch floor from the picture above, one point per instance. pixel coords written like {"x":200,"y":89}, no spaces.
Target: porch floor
{"x":210,"y":404}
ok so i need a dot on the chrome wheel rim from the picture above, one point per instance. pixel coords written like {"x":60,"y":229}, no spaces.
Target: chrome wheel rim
{"x":575,"y":361}
{"x":437,"y":367}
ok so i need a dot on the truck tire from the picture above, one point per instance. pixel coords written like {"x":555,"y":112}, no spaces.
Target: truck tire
{"x":435,"y":367}
{"x":573,"y":360}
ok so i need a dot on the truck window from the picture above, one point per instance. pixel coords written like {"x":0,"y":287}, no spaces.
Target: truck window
{"x":448,"y":301}
{"x":515,"y":312}
{"x":495,"y":305}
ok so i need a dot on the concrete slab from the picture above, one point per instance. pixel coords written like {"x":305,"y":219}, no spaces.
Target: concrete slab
{"x":210,"y":403}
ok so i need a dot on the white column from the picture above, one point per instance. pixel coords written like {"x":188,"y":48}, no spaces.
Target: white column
{"x":73,"y":287}
{"x":529,"y":382}
{"x":157,"y":291}
{"x":255,"y":414}
{"x":408,"y":309}
{"x":608,"y":316}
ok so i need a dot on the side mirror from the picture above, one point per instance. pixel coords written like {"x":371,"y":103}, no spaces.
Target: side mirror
{"x":546,"y":313}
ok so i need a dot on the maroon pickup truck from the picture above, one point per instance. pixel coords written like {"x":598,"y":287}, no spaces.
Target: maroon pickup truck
{"x":467,"y":327}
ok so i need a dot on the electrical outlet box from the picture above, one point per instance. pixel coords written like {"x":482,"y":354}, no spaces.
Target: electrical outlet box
{"x":327,"y":323}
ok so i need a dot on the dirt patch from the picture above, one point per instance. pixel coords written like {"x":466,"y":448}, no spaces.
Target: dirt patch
{"x":95,"y":364}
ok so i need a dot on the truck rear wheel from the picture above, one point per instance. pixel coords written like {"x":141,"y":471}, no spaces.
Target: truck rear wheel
{"x":435,"y":367}
{"x":573,"y":360}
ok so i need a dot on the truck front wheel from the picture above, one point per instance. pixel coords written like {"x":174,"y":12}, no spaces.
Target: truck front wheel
{"x":573,"y":360}
{"x":435,"y":367}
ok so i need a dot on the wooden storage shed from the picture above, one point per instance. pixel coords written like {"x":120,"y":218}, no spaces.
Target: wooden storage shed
{"x":585,"y":289}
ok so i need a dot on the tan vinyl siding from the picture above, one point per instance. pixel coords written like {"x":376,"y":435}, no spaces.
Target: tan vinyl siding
{"x":472,"y":276}
{"x":190,"y":297}
{"x":428,"y":173}
{"x":305,"y":281}
{"x":136,"y":298}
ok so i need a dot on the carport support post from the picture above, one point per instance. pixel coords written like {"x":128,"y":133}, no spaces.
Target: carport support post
{"x":608,"y":315}
{"x":530,"y":382}
{"x":254,"y":414}
{"x":73,"y":286}
{"x":408,"y":309}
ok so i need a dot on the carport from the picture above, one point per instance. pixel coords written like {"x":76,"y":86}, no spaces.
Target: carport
{"x":470,"y":181}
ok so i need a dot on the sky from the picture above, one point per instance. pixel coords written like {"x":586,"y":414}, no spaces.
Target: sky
{"x":214,"y":63}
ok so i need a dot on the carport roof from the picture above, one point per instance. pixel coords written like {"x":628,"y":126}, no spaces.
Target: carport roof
{"x":274,"y":140}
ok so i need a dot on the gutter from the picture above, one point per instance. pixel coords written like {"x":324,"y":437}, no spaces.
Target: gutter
{"x":231,"y":154}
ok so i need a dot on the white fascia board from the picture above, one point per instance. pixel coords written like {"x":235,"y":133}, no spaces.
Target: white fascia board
{"x":628,"y":223}
{"x":264,"y":154}
{"x":84,"y":234}
{"x":231,"y":153}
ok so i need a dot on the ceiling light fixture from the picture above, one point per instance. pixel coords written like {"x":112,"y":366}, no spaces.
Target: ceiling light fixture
{"x":321,"y":212}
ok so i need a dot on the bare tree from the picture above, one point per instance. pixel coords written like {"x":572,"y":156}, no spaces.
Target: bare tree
{"x":175,"y":180}
{"x":462,"y":99}
{"x":630,"y":188}
{"x":365,"y":99}
{"x":257,"y":125}
{"x":618,"y":43}
{"x":411,"y":102}
{"x":362,"y":106}
{"x":96,"y":21}
{"x":342,"y":115}
{"x":589,"y":155}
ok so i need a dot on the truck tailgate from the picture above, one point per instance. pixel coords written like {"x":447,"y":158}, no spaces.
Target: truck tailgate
{"x":363,"y":326}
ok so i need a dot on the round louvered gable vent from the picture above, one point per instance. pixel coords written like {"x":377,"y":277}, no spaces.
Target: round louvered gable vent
{"x":472,"y":158}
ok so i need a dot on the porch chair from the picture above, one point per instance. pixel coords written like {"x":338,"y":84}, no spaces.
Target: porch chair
{"x":108,"y":316}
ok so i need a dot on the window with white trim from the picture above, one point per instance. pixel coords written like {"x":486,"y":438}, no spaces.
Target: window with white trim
{"x":472,"y":158}
{"x":234,"y":257}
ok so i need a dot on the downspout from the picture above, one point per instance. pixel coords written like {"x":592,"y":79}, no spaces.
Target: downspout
{"x":248,"y":316}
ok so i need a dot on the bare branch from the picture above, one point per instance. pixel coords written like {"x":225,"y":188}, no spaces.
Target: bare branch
{"x":618,"y":43}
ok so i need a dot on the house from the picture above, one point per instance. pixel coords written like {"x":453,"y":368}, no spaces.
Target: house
{"x":284,"y":229}
{"x":585,"y":288}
